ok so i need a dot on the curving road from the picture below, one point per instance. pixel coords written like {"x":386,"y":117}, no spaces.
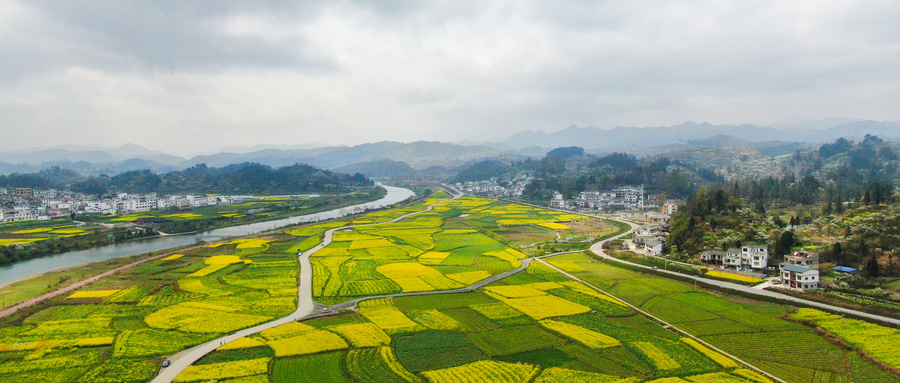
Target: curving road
{"x":306,"y":306}
{"x":597,"y":248}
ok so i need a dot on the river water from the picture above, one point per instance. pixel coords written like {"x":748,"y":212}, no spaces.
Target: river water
{"x":26,"y":269}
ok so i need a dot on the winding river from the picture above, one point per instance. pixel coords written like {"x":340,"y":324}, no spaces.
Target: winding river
{"x":26,"y":269}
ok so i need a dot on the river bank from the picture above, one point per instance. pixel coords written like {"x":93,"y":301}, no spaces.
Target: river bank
{"x":22,"y":271}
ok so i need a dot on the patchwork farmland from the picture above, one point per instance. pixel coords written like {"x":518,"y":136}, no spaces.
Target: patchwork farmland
{"x":533,"y":326}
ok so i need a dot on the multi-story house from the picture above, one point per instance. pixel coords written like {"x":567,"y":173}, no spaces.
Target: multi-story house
{"x":803,"y":258}
{"x":799,"y":277}
{"x":670,"y":207}
{"x":712,"y":257}
{"x":748,"y":256}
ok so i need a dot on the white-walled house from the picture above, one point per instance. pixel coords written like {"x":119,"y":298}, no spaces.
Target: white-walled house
{"x":799,"y":277}
{"x":748,"y":256}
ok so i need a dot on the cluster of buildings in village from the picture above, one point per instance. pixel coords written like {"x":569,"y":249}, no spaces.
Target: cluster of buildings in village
{"x":20,"y":204}
{"x":622,"y":198}
{"x":511,"y":188}
{"x":799,"y":271}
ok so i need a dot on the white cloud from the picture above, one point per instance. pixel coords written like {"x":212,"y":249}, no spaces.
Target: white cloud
{"x":198,"y":76}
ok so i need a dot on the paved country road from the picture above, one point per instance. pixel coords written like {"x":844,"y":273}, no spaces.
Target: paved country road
{"x":597,"y":248}
{"x":95,"y":278}
{"x":308,"y":308}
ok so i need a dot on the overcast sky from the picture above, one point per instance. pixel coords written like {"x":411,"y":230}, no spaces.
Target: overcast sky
{"x":187,"y":76}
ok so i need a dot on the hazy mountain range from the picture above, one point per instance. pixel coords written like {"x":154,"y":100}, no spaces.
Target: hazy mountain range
{"x":384,"y":159}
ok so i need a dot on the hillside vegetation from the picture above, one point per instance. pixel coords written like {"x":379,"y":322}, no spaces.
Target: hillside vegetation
{"x":245,"y":178}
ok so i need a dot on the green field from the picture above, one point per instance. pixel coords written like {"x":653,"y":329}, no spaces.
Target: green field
{"x":460,"y":242}
{"x":582,"y":346}
{"x":135,"y":317}
{"x":535,"y":326}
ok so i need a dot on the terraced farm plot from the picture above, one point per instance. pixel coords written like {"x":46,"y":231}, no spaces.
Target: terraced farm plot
{"x":377,"y":365}
{"x":544,"y":306}
{"x":497,"y":334}
{"x":591,"y":339}
{"x":411,"y":277}
{"x":438,"y":302}
{"x":878,"y":341}
{"x":435,"y":350}
{"x":226,"y":370}
{"x":325,"y":368}
{"x":482,"y":371}
{"x":513,"y":340}
{"x":562,"y":375}
{"x":386,"y":316}
{"x":363,"y":335}
{"x":675,"y":311}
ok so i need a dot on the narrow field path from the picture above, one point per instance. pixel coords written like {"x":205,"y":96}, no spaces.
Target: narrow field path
{"x":663,"y":323}
{"x":306,"y":307}
{"x":95,"y":278}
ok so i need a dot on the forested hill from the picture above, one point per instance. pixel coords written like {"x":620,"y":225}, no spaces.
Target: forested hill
{"x":245,"y":178}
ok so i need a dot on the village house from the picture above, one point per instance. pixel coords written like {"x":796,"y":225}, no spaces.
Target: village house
{"x":650,"y":238}
{"x":798,"y":277}
{"x":747,"y":257}
{"x":803,"y":258}
{"x":712,"y":257}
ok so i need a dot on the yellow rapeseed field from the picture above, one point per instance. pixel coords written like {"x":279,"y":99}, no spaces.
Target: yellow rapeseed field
{"x":184,"y":216}
{"x":194,"y":319}
{"x":94,"y":342}
{"x":732,"y":276}
{"x":33,"y":231}
{"x":387,"y":317}
{"x":544,"y":306}
{"x":509,"y":255}
{"x":369,"y":243}
{"x":216,"y":263}
{"x":413,"y":276}
{"x":246,"y":243}
{"x":241,"y":343}
{"x":286,"y":331}
{"x":310,"y":342}
{"x":433,"y":257}
{"x":554,"y":226}
{"x":751,"y":375}
{"x":878,"y":341}
{"x":592,"y":339}
{"x":515,"y":291}
{"x":315,"y":229}
{"x":86,"y":294}
{"x":19,"y":241}
{"x":172,"y":257}
{"x":579,"y":287}
{"x":67,"y":231}
{"x":224,"y":370}
{"x":483,"y":371}
{"x":435,"y":320}
{"x":564,"y":375}
{"x":469,"y":277}
{"x":363,"y":335}
{"x":720,"y":359}
{"x":659,"y":357}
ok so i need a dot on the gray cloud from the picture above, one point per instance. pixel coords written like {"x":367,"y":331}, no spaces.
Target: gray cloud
{"x":187,"y":76}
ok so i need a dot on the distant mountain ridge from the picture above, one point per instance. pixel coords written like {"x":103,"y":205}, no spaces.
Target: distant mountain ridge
{"x":623,"y":137}
{"x":421,"y":155}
